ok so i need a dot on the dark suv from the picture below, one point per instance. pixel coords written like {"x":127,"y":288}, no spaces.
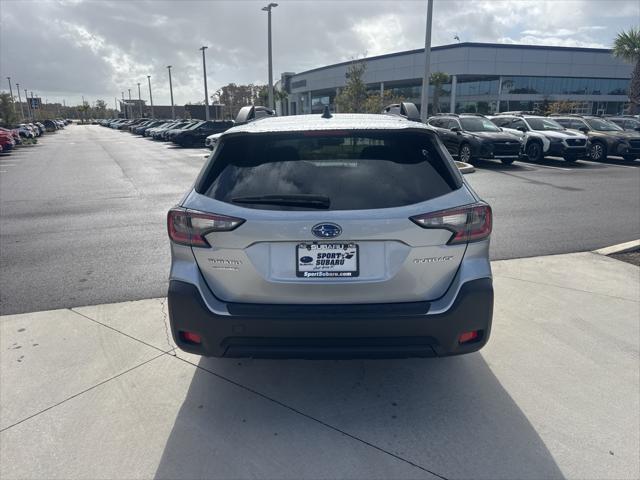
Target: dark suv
{"x":626,"y":122}
{"x":195,"y":137}
{"x":474,"y":136}
{"x":606,"y":138}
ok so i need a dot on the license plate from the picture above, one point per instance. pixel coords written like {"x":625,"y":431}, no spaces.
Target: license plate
{"x":326,"y":260}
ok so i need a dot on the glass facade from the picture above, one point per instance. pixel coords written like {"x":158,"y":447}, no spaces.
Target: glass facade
{"x":564,"y":86}
{"x":484,"y":94}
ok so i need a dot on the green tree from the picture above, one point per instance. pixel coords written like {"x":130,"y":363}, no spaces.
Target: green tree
{"x":7,"y":112}
{"x":562,"y":106}
{"x":101,"y":108}
{"x":353,"y":96}
{"x":627,"y":47}
{"x":234,"y":97}
{"x":437,"y":79}
{"x":375,"y":102}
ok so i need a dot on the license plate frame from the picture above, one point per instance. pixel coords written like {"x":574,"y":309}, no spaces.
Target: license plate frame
{"x":312,"y":270}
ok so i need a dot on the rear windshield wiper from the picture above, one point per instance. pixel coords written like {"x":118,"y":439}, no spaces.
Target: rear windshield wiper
{"x":310,"y":201}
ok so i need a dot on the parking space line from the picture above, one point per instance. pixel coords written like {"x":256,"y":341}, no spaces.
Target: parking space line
{"x":608,"y":164}
{"x":545,"y":166}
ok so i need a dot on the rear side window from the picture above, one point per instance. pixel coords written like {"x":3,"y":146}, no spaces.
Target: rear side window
{"x":337,"y":170}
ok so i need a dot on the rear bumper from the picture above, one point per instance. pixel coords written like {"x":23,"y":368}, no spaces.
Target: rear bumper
{"x":330,"y":331}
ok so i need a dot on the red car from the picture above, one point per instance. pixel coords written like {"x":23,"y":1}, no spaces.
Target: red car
{"x":6,"y":140}
{"x":15,"y":134}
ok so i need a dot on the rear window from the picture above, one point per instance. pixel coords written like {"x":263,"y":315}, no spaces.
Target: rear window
{"x":334,"y":170}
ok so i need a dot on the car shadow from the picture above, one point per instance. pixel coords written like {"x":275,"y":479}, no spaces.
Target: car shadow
{"x":488,"y":164}
{"x":450,"y":416}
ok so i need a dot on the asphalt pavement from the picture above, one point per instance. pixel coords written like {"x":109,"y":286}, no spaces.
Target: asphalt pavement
{"x":82,"y":214}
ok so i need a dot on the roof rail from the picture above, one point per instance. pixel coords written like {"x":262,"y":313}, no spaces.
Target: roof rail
{"x":253,"y":112}
{"x":407,"y":110}
{"x":567,"y":115}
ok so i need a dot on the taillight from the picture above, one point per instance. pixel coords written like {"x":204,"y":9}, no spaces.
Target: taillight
{"x":188,"y":227}
{"x":468,"y":224}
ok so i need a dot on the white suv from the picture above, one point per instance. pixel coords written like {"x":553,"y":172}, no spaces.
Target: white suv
{"x":544,"y":137}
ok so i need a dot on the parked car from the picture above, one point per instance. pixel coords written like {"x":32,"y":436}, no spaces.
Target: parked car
{"x":330,"y":235}
{"x":7,"y":141}
{"x":15,"y":135}
{"x":195,"y":137}
{"x":626,"y":122}
{"x":606,"y":138}
{"x":169,"y":134}
{"x":470,"y":136}
{"x":158,"y":132}
{"x":50,"y":126}
{"x":212,"y":140}
{"x":543,"y":137}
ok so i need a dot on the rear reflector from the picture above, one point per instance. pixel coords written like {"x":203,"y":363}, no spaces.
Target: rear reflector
{"x":468,"y":224}
{"x":190,"y":337}
{"x":188,"y":227}
{"x":467,"y":337}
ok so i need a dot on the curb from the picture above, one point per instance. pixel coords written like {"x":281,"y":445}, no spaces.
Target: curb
{"x":465,"y":167}
{"x":620,"y":248}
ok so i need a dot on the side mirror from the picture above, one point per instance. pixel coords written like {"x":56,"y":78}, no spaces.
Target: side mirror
{"x":522,"y":129}
{"x":584,"y":129}
{"x":456,"y":129}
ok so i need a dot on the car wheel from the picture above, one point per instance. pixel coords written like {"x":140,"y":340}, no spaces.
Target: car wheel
{"x":464,"y":153}
{"x":598,"y":152}
{"x":570,"y":158}
{"x":507,"y":161}
{"x":534,"y":152}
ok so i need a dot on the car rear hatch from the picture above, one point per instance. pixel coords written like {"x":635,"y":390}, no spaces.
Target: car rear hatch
{"x":327,"y":218}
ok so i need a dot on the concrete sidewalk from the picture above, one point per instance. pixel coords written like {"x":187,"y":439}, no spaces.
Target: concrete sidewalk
{"x":100,"y":392}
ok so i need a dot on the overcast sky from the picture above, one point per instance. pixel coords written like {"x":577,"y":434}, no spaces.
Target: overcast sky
{"x":99,"y":48}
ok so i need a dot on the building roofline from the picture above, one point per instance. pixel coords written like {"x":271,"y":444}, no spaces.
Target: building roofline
{"x":460,"y":45}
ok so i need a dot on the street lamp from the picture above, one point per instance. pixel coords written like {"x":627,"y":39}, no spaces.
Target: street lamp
{"x":26,"y":98}
{"x":124,"y":107}
{"x":129,"y":112}
{"x":13,"y":103}
{"x":139,"y":100}
{"x":206,"y":92}
{"x":150,"y":96}
{"x":20,"y":100}
{"x":268,"y":10}
{"x":173,"y":109}
{"x":424,"y":104}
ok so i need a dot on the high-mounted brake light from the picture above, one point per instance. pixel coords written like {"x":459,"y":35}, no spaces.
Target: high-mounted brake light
{"x":188,"y":227}
{"x":468,"y":224}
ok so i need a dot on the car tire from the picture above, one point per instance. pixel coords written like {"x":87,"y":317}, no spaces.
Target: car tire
{"x":570,"y":158}
{"x":598,"y":152}
{"x":507,"y":161}
{"x":533,"y":151}
{"x":464,"y":153}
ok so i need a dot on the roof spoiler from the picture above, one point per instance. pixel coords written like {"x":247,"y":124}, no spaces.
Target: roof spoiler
{"x":407,"y":110}
{"x":253,"y":112}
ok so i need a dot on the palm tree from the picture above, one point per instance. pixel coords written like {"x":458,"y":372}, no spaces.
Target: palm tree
{"x":627,"y":47}
{"x":437,"y":79}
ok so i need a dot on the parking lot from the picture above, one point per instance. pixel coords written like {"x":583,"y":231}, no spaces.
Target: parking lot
{"x":82,"y":217}
{"x":94,"y":387}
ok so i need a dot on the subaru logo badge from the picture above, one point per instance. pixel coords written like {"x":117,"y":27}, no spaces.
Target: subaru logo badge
{"x":326,"y":230}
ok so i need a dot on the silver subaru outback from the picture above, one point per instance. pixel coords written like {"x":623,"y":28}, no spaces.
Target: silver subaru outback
{"x":344,"y":235}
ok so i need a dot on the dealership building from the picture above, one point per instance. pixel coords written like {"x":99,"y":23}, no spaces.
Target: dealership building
{"x":484,"y":78}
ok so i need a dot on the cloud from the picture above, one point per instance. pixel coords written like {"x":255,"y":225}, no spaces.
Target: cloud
{"x":101,"y":48}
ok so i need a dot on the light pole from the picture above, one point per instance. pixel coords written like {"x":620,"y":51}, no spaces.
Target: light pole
{"x":20,"y":100}
{"x":424,"y":104}
{"x":129,"y":112}
{"x":139,"y":100}
{"x":270,"y":91}
{"x":206,"y":92}
{"x":13,"y":103}
{"x":26,"y":98}
{"x":173,"y":109}
{"x":150,"y":96}
{"x":124,"y":107}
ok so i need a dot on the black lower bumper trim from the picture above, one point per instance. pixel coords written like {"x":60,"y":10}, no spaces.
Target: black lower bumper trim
{"x":338,"y":332}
